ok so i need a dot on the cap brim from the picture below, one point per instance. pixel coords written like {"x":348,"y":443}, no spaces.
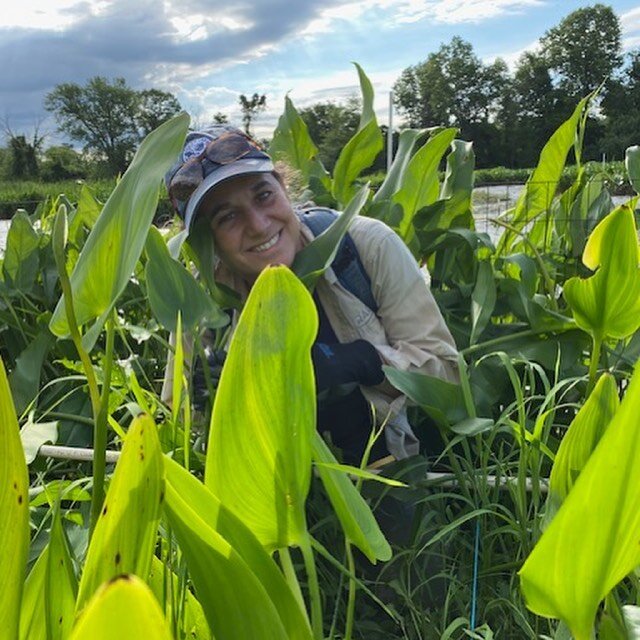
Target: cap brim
{"x":240,"y":167}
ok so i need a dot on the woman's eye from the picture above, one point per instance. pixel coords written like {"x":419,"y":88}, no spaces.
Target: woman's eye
{"x":264,"y":195}
{"x":224,"y":218}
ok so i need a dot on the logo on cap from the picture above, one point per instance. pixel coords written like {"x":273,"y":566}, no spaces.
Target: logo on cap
{"x":194,"y":148}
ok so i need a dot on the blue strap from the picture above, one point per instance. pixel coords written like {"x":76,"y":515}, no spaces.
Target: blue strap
{"x":347,"y":265}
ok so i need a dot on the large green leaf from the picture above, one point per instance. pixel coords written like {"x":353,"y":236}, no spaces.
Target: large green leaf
{"x":35,"y":434}
{"x":355,"y":516}
{"x":172,"y":290}
{"x":115,"y":243}
{"x":421,"y":185}
{"x":60,"y":585}
{"x":360,"y":152}
{"x":310,"y":263}
{"x":21,"y":259}
{"x":608,"y":303}
{"x":592,"y":543}
{"x":395,"y":175}
{"x":540,"y":189}
{"x":14,"y":513}
{"x":125,"y":534}
{"x":483,"y":300}
{"x":25,"y":377}
{"x":259,"y":451}
{"x":123,"y":608}
{"x":205,"y":527}
{"x":292,"y":144}
{"x":443,"y":401}
{"x":583,"y":435}
{"x":33,"y":618}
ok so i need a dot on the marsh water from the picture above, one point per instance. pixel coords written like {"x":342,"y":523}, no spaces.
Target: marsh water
{"x":488,"y":203}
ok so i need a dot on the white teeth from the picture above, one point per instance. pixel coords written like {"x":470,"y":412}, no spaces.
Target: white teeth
{"x":267,"y":245}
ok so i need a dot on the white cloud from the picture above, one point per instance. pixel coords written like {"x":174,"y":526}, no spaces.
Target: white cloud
{"x":630,"y":23}
{"x":457,"y":11}
{"x":407,"y":11}
{"x":38,"y":14}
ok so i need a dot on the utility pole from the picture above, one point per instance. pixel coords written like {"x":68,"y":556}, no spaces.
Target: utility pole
{"x":390,"y":133}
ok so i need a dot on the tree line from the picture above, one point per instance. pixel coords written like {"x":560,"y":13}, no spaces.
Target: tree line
{"x":507,"y":114}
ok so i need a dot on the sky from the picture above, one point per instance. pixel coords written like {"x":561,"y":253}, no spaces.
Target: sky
{"x":208,"y":52}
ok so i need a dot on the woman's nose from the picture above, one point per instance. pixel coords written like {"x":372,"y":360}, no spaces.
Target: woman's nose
{"x":257,"y":221}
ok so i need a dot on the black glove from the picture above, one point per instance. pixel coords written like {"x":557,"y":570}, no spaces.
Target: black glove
{"x":337,"y":364}
{"x":199,"y":386}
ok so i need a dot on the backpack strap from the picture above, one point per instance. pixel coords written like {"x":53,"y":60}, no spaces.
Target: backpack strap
{"x":347,"y":264}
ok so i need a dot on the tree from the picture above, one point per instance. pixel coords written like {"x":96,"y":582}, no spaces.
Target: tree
{"x":21,"y":161}
{"x":621,"y":107}
{"x":62,"y":162}
{"x":108,"y":118}
{"x":251,"y":107}
{"x":583,"y":50}
{"x":538,"y":110}
{"x":453,"y":87}
{"x":331,"y":126}
{"x":220,"y":118}
{"x":155,"y":107}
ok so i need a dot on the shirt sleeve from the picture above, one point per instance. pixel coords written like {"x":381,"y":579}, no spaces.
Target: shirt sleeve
{"x":417,"y":337}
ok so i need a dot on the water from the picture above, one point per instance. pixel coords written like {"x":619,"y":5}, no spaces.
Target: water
{"x":4,"y":229}
{"x":488,"y":203}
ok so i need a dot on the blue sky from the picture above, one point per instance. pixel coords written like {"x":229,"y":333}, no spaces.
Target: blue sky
{"x":207,"y":53}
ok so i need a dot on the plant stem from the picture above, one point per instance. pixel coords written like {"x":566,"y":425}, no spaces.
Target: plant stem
{"x":496,"y":342}
{"x":314,"y":588}
{"x":292,"y":578}
{"x":100,"y":430}
{"x":351,"y":599}
{"x":593,"y":365}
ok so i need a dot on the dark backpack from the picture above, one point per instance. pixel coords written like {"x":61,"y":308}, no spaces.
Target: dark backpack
{"x":347,"y":265}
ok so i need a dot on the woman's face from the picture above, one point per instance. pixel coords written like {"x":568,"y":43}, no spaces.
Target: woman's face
{"x":253,"y":224}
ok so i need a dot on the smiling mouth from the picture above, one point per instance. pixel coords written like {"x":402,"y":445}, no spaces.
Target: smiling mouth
{"x":265,"y":246}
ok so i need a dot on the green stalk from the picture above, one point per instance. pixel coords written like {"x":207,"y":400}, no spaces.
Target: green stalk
{"x":100,"y":429}
{"x":291,"y":577}
{"x":59,"y":240}
{"x":314,"y":588}
{"x":351,"y":598}
{"x":497,"y":342}
{"x":593,"y":365}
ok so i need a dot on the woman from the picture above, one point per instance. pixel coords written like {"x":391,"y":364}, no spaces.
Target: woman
{"x":225,"y":184}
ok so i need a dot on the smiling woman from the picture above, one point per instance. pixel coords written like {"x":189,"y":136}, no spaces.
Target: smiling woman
{"x":226,"y":187}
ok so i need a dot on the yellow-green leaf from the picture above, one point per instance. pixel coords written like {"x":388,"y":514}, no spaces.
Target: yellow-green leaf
{"x":125,"y":534}
{"x":259,"y":452}
{"x":357,"y":520}
{"x":540,"y":189}
{"x":583,"y":435}
{"x":360,"y":152}
{"x":123,"y":608}
{"x":420,"y":183}
{"x":115,"y":243}
{"x":14,"y":512}
{"x":33,"y":619}
{"x":592,"y":543}
{"x":206,"y":528}
{"x":608,"y":303}
{"x":61,"y":585}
